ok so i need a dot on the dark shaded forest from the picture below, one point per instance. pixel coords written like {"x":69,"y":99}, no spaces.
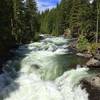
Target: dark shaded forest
{"x":18,"y":23}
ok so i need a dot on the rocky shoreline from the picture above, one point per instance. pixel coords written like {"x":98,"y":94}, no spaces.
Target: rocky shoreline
{"x":92,"y":83}
{"x":94,"y":60}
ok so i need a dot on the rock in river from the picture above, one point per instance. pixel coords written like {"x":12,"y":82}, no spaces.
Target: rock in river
{"x":84,"y":55}
{"x":92,"y":85}
{"x":93,"y":63}
{"x":97,"y":56}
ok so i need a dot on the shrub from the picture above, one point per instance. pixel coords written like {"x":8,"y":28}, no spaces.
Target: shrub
{"x":82,"y":44}
{"x":92,"y":48}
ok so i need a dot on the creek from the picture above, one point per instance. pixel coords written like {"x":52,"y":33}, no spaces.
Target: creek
{"x":44,"y":70}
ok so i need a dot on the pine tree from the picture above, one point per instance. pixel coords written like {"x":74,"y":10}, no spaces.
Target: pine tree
{"x":85,"y":16}
{"x":75,"y":17}
{"x":6,"y":38}
{"x":56,"y":25}
{"x":97,"y":22}
{"x":44,"y":21}
{"x":18,"y":19}
{"x":64,"y":12}
{"x":30,"y":20}
{"x":91,"y":22}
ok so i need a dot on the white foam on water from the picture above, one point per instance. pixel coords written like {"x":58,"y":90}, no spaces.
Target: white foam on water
{"x":38,"y":76}
{"x":69,"y":86}
{"x":31,"y":87}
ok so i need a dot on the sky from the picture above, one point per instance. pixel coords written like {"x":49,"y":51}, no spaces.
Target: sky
{"x":46,"y":4}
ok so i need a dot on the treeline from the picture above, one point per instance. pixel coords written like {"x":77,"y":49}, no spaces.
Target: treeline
{"x":18,"y":22}
{"x":72,"y":16}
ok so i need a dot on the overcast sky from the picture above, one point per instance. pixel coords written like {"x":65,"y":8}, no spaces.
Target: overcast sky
{"x":46,"y":4}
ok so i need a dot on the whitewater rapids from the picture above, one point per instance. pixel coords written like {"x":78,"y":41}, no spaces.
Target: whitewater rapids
{"x":41,"y":75}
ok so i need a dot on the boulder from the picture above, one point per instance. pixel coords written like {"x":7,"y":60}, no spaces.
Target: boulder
{"x":84,"y":55}
{"x":97,"y":56}
{"x":93,"y":63}
{"x":93,"y":80}
{"x":92,"y":85}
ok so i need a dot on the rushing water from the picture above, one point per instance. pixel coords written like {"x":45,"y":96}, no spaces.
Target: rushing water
{"x":43,"y":71}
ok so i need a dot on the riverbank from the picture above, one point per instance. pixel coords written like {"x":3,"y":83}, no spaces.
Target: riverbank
{"x":93,"y":58}
{"x":91,"y":83}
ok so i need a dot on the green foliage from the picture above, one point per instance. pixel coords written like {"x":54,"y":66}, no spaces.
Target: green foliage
{"x":75,"y":16}
{"x":92,"y":48}
{"x":30,"y":19}
{"x":24,"y":20}
{"x":78,"y":15}
{"x":36,"y":37}
{"x":82,"y":44}
{"x":52,"y":21}
{"x":6,"y":38}
{"x":17,"y":19}
{"x":18,"y":22}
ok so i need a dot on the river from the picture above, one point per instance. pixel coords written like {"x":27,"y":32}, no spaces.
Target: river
{"x":44,"y":70}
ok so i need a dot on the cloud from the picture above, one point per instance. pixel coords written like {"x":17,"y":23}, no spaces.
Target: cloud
{"x":46,"y":4}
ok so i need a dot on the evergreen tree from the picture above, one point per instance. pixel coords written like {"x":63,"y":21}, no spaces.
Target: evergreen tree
{"x":85,"y":15}
{"x":18,"y":19}
{"x":75,"y":17}
{"x":30,"y":20}
{"x":64,"y":13}
{"x":44,"y":22}
{"x":6,"y":38}
{"x":56,"y":25}
{"x":98,"y":20}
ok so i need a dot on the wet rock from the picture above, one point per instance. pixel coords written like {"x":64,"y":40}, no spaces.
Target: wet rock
{"x":97,"y":56}
{"x":92,"y":85}
{"x":93,"y":80}
{"x":93,"y":63}
{"x":84,"y":55}
{"x":73,"y":43}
